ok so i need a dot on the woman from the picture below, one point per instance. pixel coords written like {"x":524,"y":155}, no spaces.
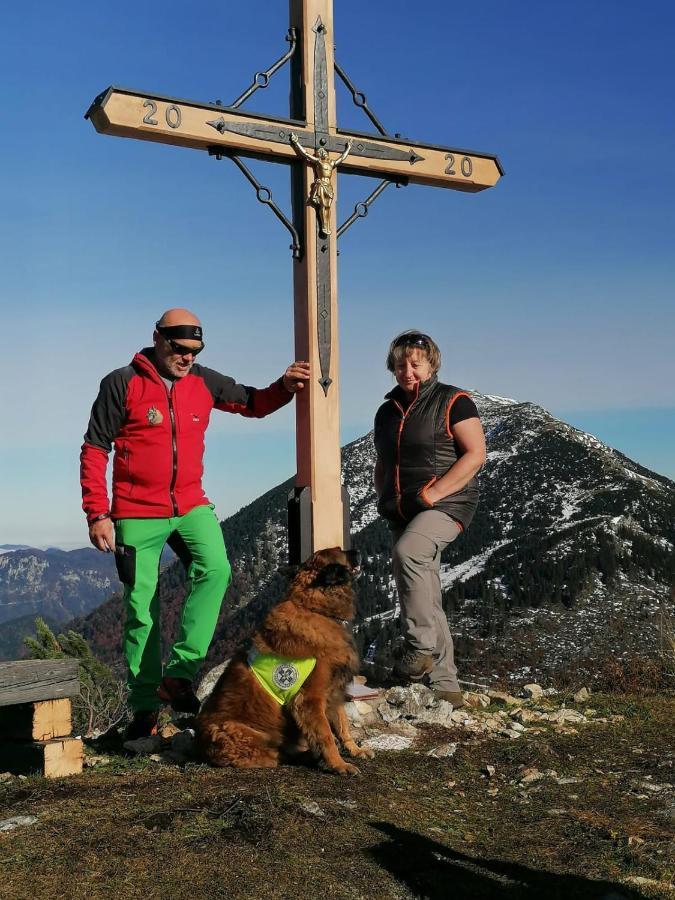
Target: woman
{"x":430,"y":445}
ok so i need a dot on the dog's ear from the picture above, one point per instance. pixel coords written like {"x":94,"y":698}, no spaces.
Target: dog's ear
{"x":288,"y":571}
{"x":305,"y":574}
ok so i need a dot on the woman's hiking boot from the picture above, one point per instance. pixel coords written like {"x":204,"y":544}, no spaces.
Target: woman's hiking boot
{"x":413,"y":664}
{"x":454,"y":697}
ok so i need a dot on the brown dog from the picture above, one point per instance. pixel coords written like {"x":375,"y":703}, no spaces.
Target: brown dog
{"x":243,"y":724}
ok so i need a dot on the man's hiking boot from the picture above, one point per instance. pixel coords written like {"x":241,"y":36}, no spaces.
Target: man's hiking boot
{"x":454,"y":697}
{"x":143,"y":724}
{"x":413,"y":664}
{"x":178,"y":692}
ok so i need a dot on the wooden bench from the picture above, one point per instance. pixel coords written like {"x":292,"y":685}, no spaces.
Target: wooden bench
{"x":36,"y":717}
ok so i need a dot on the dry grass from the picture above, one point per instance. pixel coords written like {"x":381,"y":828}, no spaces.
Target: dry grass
{"x":141,"y":829}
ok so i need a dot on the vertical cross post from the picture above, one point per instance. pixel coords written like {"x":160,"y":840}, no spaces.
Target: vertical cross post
{"x":317,"y":514}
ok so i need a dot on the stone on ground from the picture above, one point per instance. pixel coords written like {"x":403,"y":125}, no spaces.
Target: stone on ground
{"x":533,"y":691}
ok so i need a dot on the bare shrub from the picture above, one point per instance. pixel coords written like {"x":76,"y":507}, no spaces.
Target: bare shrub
{"x":101,"y":703}
{"x":632,"y":674}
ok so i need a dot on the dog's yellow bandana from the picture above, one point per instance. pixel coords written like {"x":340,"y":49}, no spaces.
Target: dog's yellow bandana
{"x":281,"y":677}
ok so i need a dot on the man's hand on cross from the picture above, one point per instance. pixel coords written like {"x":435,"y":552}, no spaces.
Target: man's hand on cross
{"x":295,"y":376}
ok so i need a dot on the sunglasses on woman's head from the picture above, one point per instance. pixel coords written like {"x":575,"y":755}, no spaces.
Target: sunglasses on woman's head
{"x":413,"y":339}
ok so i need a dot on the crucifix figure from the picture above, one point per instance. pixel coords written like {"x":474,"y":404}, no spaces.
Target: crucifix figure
{"x":323,"y":192}
{"x":318,"y":506}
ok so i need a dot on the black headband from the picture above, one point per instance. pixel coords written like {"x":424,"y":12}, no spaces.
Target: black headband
{"x":186,"y":332}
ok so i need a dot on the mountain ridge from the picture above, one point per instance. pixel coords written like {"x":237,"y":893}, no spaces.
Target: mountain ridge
{"x":58,"y":583}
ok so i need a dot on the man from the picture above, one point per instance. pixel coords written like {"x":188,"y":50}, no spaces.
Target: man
{"x":155,"y":411}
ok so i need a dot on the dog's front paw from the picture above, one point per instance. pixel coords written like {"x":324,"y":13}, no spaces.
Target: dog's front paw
{"x":346,"y":768}
{"x":364,"y":753}
{"x":359,"y":752}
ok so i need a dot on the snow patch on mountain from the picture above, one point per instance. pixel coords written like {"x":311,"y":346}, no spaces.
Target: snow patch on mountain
{"x":494,"y":398}
{"x":451,"y":574}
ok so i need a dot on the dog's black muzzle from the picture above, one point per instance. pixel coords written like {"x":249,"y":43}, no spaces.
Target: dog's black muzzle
{"x":354,"y":558}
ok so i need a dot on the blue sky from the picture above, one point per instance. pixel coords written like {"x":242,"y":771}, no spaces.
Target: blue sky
{"x":556,"y":286}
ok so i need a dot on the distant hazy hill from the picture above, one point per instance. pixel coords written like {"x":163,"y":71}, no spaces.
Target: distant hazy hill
{"x":54,"y":584}
{"x":570,"y":554}
{"x":13,"y":632}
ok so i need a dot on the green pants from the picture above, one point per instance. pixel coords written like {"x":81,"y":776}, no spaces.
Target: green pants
{"x":198,"y":540}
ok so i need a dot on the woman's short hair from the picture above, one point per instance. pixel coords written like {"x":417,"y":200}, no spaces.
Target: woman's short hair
{"x":402,"y":345}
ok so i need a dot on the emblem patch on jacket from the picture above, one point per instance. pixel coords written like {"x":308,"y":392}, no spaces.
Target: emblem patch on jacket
{"x":154,"y":416}
{"x":285,"y":675}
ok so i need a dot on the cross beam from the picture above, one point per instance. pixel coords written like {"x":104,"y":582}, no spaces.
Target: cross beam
{"x":201,"y":126}
{"x":318,"y":508}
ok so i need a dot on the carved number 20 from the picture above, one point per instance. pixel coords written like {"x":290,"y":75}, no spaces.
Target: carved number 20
{"x":172,"y":114}
{"x":465,"y":164}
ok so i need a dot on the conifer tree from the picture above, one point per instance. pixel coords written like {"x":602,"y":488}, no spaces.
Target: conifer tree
{"x":101,"y":702}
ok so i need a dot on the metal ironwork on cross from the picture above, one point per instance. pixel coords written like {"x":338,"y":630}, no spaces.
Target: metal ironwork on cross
{"x":318,"y":506}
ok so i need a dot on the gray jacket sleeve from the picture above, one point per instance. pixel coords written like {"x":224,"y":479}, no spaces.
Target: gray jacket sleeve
{"x":109,"y":409}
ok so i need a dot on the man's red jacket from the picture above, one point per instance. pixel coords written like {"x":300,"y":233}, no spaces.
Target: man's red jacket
{"x":158,"y":433}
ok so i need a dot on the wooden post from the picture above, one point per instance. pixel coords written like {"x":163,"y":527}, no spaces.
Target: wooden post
{"x":27,"y":680}
{"x":315,"y":294}
{"x":51,"y":759}
{"x":35,"y":717}
{"x":40,"y":721}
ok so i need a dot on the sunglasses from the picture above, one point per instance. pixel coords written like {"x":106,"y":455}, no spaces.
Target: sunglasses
{"x":181,"y":349}
{"x":413,"y":339}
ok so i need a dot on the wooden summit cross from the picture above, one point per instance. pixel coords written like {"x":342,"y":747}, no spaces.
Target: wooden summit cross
{"x":318,"y":507}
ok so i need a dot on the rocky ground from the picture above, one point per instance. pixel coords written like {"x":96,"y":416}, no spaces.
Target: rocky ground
{"x":395,"y":720}
{"x":544,"y":795}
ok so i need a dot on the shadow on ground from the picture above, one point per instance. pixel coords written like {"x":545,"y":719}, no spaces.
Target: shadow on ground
{"x":433,"y":871}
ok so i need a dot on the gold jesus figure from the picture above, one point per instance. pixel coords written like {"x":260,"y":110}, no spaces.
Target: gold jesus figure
{"x":322,"y":192}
